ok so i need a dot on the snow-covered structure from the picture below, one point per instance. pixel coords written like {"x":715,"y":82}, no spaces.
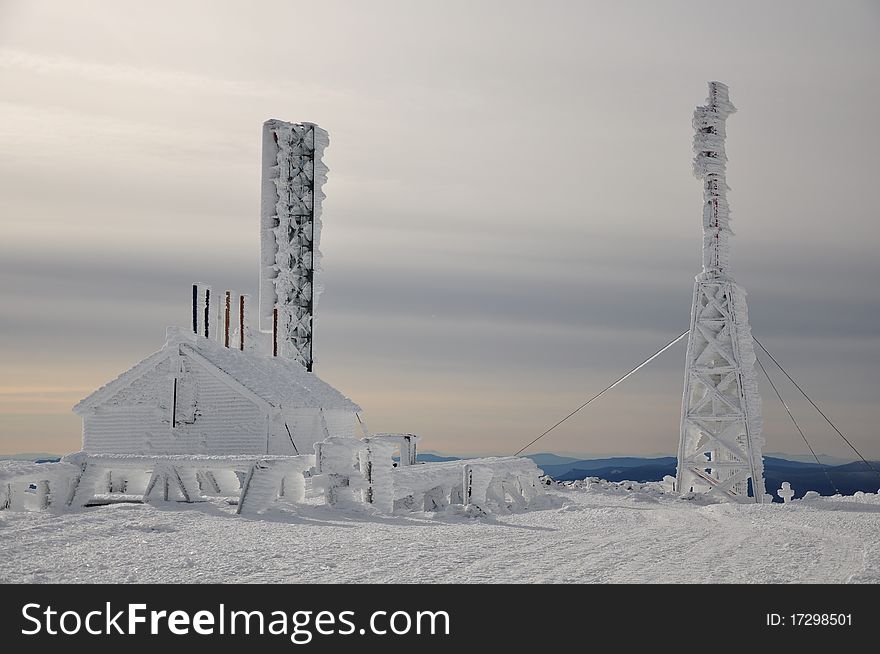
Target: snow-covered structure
{"x":720,"y":441}
{"x":195,"y":396}
{"x":290,"y":231}
{"x":229,"y":413}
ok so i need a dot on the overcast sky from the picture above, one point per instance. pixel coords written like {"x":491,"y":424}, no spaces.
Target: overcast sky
{"x":511,"y":220}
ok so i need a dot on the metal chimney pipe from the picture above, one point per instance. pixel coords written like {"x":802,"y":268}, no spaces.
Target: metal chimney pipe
{"x":228,"y":311}
{"x":242,"y":319}
{"x":218,"y":318}
{"x":275,"y":332}
{"x":195,"y":309}
{"x":207,"y":311}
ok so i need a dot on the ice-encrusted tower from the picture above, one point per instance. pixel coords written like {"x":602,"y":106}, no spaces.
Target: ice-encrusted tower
{"x":721,"y":441}
{"x":290,"y":230}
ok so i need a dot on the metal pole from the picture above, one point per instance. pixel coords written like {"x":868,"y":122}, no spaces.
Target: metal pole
{"x":275,"y":332}
{"x":207,"y":310}
{"x":241,"y":322}
{"x":195,"y":308}
{"x":226,"y":318}
{"x":174,"y":406}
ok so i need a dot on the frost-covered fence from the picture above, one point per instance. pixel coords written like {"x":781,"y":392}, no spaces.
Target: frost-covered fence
{"x":252,"y":483}
{"x":337,"y":471}
{"x":348,"y":472}
{"x":272,"y":479}
{"x":491,"y":484}
{"x":376,"y":465}
{"x":352,"y":471}
{"x":405,"y":443}
{"x":26,"y":486}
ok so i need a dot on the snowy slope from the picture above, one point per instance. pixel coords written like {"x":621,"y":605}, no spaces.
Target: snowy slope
{"x":603,"y":533}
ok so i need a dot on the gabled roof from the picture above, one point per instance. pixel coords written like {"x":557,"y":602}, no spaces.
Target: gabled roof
{"x":277,"y":381}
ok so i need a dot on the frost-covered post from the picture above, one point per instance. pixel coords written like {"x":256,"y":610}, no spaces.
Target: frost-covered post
{"x":475,"y":484}
{"x":407,"y":443}
{"x":720,"y":440}
{"x":376,"y":464}
{"x":786,"y":493}
{"x":408,"y":450}
{"x":201,"y":310}
{"x":337,"y":464}
{"x":290,"y":230}
{"x":244,"y":322}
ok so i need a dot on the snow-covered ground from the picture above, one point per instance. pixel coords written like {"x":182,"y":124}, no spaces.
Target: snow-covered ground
{"x":601,"y":533}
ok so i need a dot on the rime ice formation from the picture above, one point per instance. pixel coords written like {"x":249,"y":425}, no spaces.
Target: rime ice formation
{"x":224,"y":412}
{"x":720,"y":442}
{"x":195,"y":396}
{"x":348,"y":473}
{"x":290,"y":231}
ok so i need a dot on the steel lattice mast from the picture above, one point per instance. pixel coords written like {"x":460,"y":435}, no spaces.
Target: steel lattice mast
{"x":293,"y":174}
{"x":721,"y":441}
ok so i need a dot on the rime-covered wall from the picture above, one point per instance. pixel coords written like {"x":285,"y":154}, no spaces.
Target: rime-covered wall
{"x":137,"y":420}
{"x":341,"y":423}
{"x":307,"y":427}
{"x":212,"y":417}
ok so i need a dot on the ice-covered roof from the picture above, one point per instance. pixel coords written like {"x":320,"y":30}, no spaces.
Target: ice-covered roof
{"x":278,"y":381}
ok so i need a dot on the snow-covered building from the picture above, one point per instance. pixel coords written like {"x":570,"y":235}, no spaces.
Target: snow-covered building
{"x":226,"y":388}
{"x":195,"y":396}
{"x":230,"y":411}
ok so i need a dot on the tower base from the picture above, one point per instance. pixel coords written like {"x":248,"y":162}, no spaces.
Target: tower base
{"x":721,"y":442}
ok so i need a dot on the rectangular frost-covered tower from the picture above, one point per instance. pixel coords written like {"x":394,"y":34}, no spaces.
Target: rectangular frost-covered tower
{"x":290,"y":231}
{"x":720,"y":442}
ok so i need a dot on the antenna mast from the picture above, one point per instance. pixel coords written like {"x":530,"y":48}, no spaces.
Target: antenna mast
{"x":720,"y":447}
{"x":290,"y":230}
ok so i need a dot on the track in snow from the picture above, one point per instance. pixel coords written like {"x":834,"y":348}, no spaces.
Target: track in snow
{"x":602,"y":534}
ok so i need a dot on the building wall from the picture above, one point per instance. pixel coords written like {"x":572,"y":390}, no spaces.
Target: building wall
{"x":307,"y":427}
{"x":213,"y":418}
{"x":342,"y":423}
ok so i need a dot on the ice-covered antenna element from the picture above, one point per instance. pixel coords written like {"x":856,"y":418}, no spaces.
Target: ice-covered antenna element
{"x":243,"y":320}
{"x":710,"y":165}
{"x":720,"y":440}
{"x":290,"y":231}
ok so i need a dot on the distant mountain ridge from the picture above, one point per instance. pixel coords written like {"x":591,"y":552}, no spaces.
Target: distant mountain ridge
{"x":36,"y":457}
{"x":803,"y":476}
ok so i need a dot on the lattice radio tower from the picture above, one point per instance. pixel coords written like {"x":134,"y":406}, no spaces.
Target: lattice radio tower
{"x":290,"y":229}
{"x":721,"y":442}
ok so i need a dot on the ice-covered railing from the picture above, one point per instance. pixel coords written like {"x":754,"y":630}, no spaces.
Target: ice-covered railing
{"x":26,"y":486}
{"x":347,"y":472}
{"x":253,"y":483}
{"x":490,"y":484}
{"x":407,"y":444}
{"x":353,"y":471}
